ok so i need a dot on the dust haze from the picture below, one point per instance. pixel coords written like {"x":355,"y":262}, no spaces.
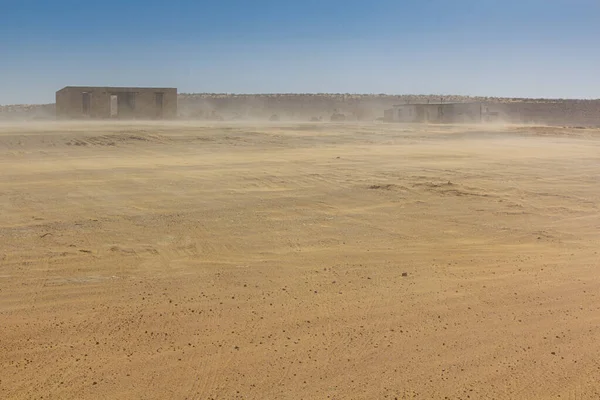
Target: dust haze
{"x":235,"y":259}
{"x":323,"y":107}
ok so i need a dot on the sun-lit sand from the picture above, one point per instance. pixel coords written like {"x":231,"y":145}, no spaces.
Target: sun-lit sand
{"x":298,"y":261}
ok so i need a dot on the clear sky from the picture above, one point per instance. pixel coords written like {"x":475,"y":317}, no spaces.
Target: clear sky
{"x":515,"y":48}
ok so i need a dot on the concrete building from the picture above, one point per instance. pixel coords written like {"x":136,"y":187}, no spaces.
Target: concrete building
{"x":440,"y":113}
{"x":76,"y":102}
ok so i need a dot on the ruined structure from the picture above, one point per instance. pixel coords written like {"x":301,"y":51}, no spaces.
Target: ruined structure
{"x":75,"y":102}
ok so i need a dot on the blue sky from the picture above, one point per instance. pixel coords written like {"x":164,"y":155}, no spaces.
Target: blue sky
{"x":526,"y":48}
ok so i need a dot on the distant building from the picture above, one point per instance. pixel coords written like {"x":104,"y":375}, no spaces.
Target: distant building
{"x":75,"y":102}
{"x":436,"y":113}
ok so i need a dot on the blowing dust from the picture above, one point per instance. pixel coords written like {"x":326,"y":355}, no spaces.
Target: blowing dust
{"x":283,"y":260}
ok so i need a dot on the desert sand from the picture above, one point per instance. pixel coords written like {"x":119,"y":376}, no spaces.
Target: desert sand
{"x":298,"y":261}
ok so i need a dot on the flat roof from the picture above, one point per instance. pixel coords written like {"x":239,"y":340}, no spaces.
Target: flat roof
{"x":116,"y":88}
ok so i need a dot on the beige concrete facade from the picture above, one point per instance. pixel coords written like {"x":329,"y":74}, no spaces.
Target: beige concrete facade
{"x":77,"y":102}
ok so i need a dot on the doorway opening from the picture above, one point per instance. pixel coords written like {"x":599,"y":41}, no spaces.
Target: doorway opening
{"x":114,"y":106}
{"x":126,"y":105}
{"x":159,"y":98}
{"x":86,"y":103}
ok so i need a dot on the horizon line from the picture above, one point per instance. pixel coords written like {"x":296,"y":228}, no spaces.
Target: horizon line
{"x":233,"y":94}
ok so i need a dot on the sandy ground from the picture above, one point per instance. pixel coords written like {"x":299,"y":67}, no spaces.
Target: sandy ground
{"x":231,"y":261}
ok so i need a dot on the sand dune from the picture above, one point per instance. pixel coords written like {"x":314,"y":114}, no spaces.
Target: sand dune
{"x":289,"y":261}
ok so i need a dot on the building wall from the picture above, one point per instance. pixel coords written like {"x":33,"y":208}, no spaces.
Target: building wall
{"x":459,"y":113}
{"x":62,"y":102}
{"x":406,"y":113}
{"x":435,"y":113}
{"x":100,"y":103}
{"x":432,"y":113}
{"x":69,"y":103}
{"x":388,"y":115}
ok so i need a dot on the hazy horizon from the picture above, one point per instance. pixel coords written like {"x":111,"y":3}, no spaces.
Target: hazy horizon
{"x":524,"y":49}
{"x":340,"y":94}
